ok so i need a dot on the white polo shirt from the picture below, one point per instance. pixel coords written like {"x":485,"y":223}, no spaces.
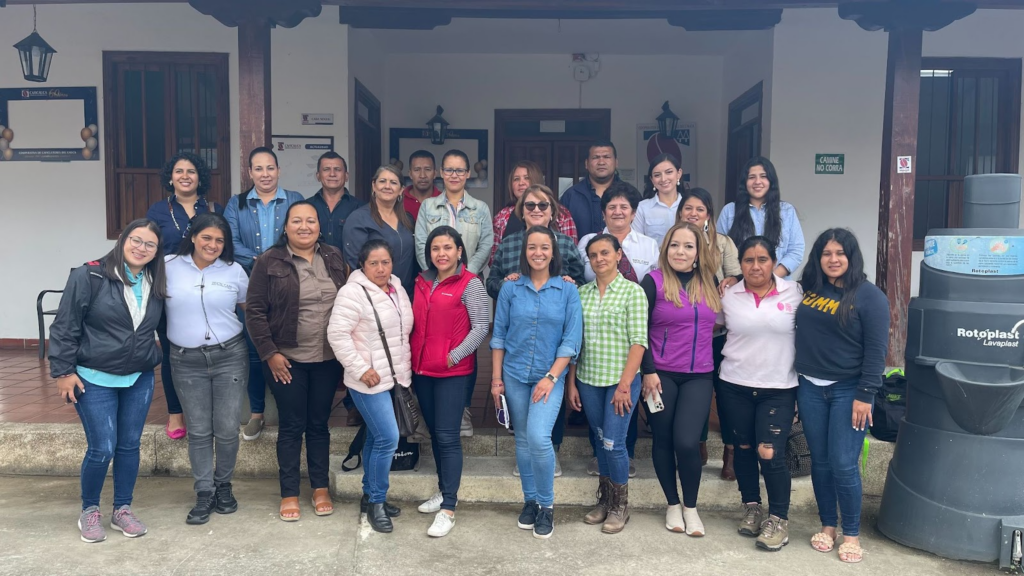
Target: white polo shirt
{"x":654,"y":217}
{"x":215,"y":289}
{"x":761,"y":347}
{"x":641,"y":250}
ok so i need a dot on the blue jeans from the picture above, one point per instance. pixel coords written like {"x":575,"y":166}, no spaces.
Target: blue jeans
{"x":113,"y":419}
{"x":609,"y":428}
{"x":257,"y":385}
{"x":827,"y":414}
{"x":378,"y":412}
{"x":533,"y":422}
{"x":441,"y":404}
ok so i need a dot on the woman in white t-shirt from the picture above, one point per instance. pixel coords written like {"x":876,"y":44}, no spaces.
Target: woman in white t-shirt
{"x":209,"y":357}
{"x":758,"y":388}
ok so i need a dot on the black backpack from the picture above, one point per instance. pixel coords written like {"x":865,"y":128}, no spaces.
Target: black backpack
{"x":798,"y":454}
{"x":890,"y":406}
{"x":407,"y":455}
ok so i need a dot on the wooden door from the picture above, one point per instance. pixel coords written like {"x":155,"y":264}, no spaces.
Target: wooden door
{"x":369,"y":142}
{"x":744,"y":137}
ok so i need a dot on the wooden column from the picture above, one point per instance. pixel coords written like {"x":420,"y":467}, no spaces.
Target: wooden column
{"x":253,"y":90}
{"x":896,"y":201}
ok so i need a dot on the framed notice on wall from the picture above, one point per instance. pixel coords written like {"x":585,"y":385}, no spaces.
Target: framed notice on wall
{"x":296,"y":159}
{"x":48,"y":124}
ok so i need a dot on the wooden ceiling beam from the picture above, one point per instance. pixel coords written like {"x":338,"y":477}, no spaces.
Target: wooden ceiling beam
{"x":607,"y":5}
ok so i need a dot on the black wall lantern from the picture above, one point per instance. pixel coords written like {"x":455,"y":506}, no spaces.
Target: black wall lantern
{"x":438,"y":127}
{"x":35,"y":54}
{"x":667,"y":121}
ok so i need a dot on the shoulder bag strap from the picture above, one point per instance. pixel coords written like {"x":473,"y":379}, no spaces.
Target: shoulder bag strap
{"x":383,"y":338}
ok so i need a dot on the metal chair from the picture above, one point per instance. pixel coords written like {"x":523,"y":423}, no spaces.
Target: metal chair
{"x":39,"y":316}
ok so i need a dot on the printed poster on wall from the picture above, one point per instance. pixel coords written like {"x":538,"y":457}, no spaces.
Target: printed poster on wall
{"x":296,"y":159}
{"x":683,"y":146}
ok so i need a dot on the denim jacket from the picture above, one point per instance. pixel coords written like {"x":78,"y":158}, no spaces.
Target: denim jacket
{"x":245,"y":225}
{"x":474,"y":224}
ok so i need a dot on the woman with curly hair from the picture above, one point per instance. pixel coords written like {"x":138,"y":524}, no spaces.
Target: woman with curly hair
{"x":187,"y":178}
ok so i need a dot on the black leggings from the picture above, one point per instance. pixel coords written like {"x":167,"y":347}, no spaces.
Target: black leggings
{"x":760,"y":416}
{"x":676,"y":430}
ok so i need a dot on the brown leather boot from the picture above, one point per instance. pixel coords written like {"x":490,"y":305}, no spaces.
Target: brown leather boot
{"x":604,"y":498}
{"x":703,"y":453}
{"x":728,"y":473}
{"x":618,"y":511}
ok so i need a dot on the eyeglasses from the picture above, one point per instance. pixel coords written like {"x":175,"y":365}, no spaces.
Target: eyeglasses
{"x":460,"y":172}
{"x":139,"y":243}
{"x":531,"y":206}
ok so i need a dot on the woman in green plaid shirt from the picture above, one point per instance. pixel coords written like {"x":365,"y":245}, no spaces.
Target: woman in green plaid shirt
{"x":608,"y":369}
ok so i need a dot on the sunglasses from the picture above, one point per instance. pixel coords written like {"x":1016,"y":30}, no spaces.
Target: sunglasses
{"x":531,"y":206}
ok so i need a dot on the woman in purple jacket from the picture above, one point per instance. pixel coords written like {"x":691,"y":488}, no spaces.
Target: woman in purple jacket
{"x":683,"y":308}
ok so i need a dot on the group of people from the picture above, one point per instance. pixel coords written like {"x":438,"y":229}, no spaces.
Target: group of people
{"x":603,"y":299}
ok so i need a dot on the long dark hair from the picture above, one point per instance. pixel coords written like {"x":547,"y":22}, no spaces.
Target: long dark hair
{"x":113,"y":262}
{"x":202,"y":222}
{"x":649,"y":190}
{"x":451,"y":233}
{"x":555,"y":266}
{"x":743,"y":223}
{"x":282,"y":240}
{"x":813,"y":278}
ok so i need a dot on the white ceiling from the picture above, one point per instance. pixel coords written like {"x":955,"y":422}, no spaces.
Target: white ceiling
{"x":524,"y":36}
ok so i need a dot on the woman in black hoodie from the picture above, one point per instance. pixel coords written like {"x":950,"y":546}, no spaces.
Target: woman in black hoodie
{"x":102,"y":353}
{"x":842,"y":335}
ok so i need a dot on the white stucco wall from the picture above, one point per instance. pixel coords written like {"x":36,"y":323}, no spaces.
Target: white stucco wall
{"x":745,"y":66}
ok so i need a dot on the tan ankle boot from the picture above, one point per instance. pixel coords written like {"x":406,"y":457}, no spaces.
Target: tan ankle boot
{"x":618,"y":511}
{"x":604,"y":497}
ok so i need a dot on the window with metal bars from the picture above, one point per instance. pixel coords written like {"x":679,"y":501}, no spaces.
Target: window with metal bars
{"x":969,"y":123}
{"x":157,"y":104}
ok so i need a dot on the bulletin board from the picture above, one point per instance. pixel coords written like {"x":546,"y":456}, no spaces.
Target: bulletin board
{"x":296,"y":161}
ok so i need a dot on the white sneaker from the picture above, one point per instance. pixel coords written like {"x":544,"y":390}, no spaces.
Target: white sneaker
{"x":674,"y":519}
{"x":443,"y":524}
{"x":694,"y":527}
{"x":432,"y":505}
{"x":515,"y":471}
{"x":558,"y":466}
{"x":466,"y":428}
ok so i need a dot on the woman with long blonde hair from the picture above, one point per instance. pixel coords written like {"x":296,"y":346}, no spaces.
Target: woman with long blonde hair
{"x":683,"y":310}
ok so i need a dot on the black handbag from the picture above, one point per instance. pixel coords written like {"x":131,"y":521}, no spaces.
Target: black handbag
{"x":407,"y":455}
{"x":798,"y":454}
{"x":407,"y":408}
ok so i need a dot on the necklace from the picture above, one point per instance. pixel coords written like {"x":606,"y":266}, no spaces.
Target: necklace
{"x":170,"y":207}
{"x":771,"y":286}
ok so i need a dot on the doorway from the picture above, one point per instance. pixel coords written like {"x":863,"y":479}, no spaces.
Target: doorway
{"x":744,"y":136}
{"x":369,"y":141}
{"x":558,"y":140}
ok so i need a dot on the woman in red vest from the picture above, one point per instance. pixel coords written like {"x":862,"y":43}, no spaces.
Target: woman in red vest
{"x":451,"y":318}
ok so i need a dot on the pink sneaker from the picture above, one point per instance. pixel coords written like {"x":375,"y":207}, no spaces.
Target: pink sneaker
{"x":125,"y":521}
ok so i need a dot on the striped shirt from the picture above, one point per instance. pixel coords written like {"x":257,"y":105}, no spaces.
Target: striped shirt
{"x":474,"y":298}
{"x":611,"y":325}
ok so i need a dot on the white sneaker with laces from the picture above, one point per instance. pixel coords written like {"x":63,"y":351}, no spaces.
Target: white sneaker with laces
{"x":432,"y":505}
{"x":443,"y":524}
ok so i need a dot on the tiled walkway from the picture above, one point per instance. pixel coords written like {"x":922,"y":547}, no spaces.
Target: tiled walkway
{"x":28,"y":394}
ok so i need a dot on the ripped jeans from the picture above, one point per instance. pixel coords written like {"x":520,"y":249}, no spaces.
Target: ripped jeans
{"x":761,"y":419}
{"x":609,"y":428}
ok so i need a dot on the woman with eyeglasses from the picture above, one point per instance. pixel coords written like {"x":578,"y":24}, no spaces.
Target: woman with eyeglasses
{"x":291,"y":291}
{"x":524,"y":173}
{"x":697,"y":208}
{"x":187,"y":177}
{"x":451,"y":319}
{"x":102,"y":353}
{"x":384,"y":217}
{"x":537,"y":331}
{"x":209,"y":357}
{"x":472,"y":219}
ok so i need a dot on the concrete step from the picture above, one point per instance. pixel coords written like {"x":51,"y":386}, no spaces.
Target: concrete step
{"x":57,"y":450}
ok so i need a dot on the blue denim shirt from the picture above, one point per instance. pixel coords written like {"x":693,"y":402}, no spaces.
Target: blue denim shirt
{"x":535,"y":327}
{"x":790,"y":250}
{"x":247,"y":230}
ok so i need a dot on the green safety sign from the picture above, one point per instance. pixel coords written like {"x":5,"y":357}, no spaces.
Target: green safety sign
{"x":830,"y":163}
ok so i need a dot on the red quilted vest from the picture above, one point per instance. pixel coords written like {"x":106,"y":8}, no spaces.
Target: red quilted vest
{"x":441,"y":323}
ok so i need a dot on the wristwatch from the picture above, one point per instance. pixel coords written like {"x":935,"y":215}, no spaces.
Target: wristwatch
{"x":551,"y":377}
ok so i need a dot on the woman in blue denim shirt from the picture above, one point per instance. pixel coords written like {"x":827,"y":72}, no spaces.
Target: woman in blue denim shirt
{"x":538,"y":326}
{"x":766,"y":215}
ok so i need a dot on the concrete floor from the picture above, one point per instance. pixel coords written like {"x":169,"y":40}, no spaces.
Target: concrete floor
{"x":38,"y":536}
